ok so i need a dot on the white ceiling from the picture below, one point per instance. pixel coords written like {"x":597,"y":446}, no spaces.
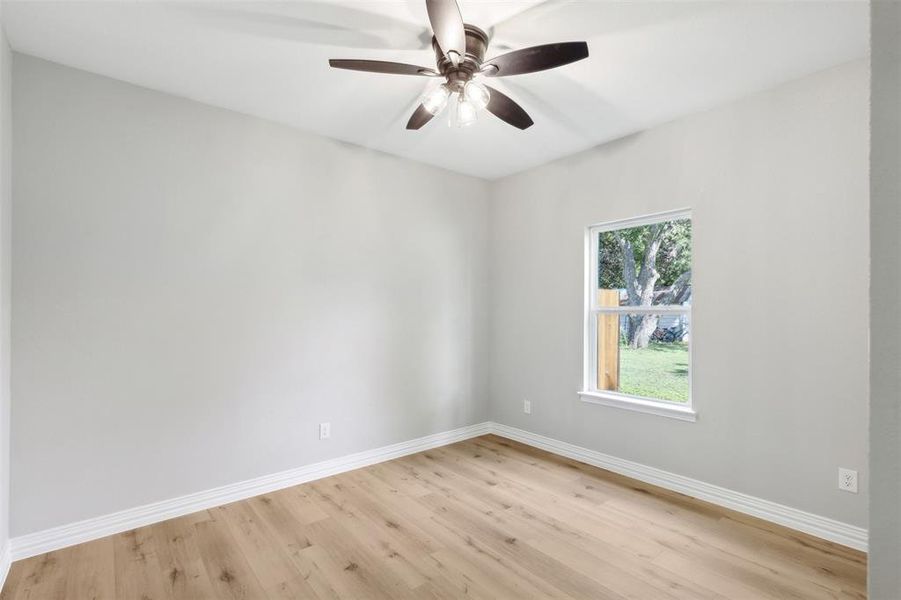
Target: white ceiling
{"x":650,"y":62}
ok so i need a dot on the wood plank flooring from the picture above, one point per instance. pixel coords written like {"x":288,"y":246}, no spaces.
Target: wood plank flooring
{"x":484,"y":518}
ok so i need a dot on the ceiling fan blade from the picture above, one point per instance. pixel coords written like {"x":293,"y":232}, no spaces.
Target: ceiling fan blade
{"x":381,"y":66}
{"x":505,"y":109}
{"x":447,"y":23}
{"x":536,"y":58}
{"x":419,"y":118}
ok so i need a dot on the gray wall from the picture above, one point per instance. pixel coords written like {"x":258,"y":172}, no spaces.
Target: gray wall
{"x":196,"y":290}
{"x":778,"y":187}
{"x":5,"y":252}
{"x":885,"y":298}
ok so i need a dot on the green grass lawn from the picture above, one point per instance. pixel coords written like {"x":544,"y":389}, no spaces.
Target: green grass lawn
{"x":659,"y":371}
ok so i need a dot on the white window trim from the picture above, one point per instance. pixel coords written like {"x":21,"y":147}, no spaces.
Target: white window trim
{"x":639,"y":404}
{"x":589,"y":393}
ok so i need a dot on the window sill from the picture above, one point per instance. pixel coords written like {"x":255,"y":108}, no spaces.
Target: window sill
{"x":642,"y":405}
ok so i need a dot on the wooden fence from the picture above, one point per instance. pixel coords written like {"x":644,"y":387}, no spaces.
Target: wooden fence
{"x":608,"y":342}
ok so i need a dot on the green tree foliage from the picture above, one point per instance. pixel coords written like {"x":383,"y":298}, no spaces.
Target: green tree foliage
{"x":673,"y":258}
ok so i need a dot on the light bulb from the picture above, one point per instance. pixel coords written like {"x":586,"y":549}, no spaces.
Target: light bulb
{"x":435,"y":100}
{"x":477,"y":94}
{"x":467,"y":113}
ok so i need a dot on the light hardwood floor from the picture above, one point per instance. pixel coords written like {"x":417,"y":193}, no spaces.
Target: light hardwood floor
{"x":485,"y":518}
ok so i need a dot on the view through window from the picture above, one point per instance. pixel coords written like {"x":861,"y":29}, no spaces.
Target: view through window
{"x":640,"y":309}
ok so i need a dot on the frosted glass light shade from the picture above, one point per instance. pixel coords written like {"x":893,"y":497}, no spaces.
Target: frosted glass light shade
{"x":477,"y":94}
{"x":435,"y":99}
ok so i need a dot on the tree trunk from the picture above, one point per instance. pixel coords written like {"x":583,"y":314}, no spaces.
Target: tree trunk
{"x":642,"y":328}
{"x":640,"y":284}
{"x":680,"y":291}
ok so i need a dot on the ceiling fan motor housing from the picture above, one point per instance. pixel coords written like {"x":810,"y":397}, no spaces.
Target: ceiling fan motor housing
{"x":467,"y":66}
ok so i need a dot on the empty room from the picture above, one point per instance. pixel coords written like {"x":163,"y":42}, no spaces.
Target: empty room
{"x":440,"y":299}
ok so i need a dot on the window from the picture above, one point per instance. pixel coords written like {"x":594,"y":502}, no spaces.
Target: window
{"x":638,"y":315}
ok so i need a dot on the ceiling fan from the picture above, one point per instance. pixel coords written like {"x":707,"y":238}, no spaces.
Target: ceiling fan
{"x":460,"y":60}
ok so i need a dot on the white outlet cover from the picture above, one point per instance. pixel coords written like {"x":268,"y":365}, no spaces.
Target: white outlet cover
{"x":325,"y":431}
{"x":527,"y":407}
{"x":847,"y":480}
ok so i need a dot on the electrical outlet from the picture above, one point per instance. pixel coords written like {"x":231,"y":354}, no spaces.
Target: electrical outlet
{"x":325,"y":431}
{"x":527,"y":407}
{"x":847,"y":480}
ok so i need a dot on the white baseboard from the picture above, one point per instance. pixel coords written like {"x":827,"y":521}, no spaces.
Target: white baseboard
{"x":55,"y":538}
{"x":82,"y":531}
{"x":821,"y":527}
{"x":5,"y":562}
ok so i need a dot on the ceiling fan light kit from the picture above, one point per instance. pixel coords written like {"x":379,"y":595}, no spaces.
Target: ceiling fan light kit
{"x":477,"y":94}
{"x":435,"y":99}
{"x":460,"y":60}
{"x":467,"y":113}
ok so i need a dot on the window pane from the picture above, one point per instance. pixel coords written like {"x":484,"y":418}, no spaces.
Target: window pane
{"x":646,"y":265}
{"x":644,"y":355}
